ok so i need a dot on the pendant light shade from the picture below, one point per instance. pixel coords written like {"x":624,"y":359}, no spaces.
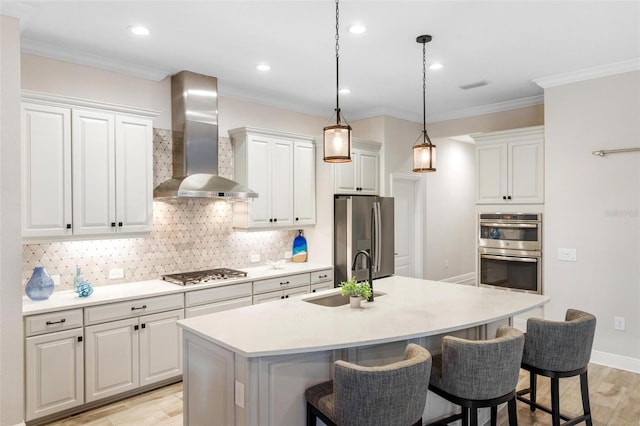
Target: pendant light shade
{"x":424,"y":152}
{"x":337,"y":143}
{"x":337,"y":137}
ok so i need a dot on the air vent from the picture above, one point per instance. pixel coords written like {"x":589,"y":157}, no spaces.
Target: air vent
{"x":474,"y":85}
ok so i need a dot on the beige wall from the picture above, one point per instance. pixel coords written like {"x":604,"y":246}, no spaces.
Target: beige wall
{"x":513,"y":119}
{"x":592,"y":204}
{"x":11,"y":341}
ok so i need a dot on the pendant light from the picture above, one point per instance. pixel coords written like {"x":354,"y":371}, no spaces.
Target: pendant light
{"x":424,"y":153}
{"x":337,"y":138}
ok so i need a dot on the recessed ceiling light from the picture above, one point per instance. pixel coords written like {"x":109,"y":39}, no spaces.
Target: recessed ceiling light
{"x":139,"y":30}
{"x":435,"y":66}
{"x":345,"y":91}
{"x":263,"y":67}
{"x":357,"y":29}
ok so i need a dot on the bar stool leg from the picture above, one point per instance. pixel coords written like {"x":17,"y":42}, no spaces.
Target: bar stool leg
{"x":532,"y":385}
{"x":555,"y":401}
{"x":474,"y":416}
{"x":584,"y":387}
{"x":494,"y":416}
{"x":513,"y":415}
{"x":465,"y":416}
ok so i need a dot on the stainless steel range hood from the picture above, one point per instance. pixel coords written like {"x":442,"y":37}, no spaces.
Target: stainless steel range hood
{"x":194,"y":113}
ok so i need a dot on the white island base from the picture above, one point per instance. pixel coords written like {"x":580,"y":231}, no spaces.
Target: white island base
{"x":251,"y":366}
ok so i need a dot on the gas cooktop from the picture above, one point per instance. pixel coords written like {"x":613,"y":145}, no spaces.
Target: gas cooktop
{"x":196,"y":277}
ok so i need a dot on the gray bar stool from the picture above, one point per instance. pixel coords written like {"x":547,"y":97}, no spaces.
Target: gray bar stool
{"x":558,"y":349}
{"x":478,"y":373}
{"x":389,"y":395}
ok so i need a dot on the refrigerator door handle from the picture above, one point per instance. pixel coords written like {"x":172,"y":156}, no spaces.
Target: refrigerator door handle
{"x":377,"y":249}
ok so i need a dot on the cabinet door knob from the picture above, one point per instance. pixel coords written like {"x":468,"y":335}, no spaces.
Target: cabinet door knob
{"x":119,"y":223}
{"x":79,"y":338}
{"x":113,"y":224}
{"x":135,"y":327}
{"x":68,"y":226}
{"x":271,"y":220}
{"x":287,"y":296}
{"x":275,"y":220}
{"x":508,"y":197}
{"x":143,"y":325}
{"x":281,"y":297}
{"x":504,"y":197}
{"x":297,"y":219}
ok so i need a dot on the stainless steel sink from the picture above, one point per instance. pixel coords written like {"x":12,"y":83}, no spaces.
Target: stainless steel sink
{"x":333,"y":300}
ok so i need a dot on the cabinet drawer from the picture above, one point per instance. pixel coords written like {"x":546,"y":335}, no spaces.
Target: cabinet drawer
{"x":211,"y":295}
{"x":54,"y":321}
{"x":321,"y":286}
{"x":132,"y":308}
{"x":326,"y":275}
{"x":281,"y":283}
{"x":210,"y":308}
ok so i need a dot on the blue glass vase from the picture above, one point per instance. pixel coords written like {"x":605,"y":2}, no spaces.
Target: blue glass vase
{"x":83,"y":288}
{"x":40,"y":285}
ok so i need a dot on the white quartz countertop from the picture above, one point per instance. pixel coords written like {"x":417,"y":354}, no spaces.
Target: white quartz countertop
{"x":410,"y":308}
{"x":68,"y":299}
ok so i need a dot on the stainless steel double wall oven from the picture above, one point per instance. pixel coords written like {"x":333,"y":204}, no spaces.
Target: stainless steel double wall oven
{"x":510,"y":251}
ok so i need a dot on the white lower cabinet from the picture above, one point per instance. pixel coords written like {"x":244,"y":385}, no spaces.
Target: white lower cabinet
{"x":280,"y":288}
{"x":202,"y":302}
{"x":322,"y":280}
{"x":123,"y":354}
{"x":54,"y":372}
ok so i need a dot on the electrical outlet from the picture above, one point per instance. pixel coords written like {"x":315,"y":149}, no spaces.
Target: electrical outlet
{"x":619,"y":323}
{"x":115,"y":273}
{"x":446,"y":263}
{"x":288,"y":254}
{"x":56,"y":279}
{"x":255,"y":258}
{"x":567,"y":254}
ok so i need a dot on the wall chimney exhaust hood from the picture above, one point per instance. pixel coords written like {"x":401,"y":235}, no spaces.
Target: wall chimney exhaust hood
{"x":194,"y":113}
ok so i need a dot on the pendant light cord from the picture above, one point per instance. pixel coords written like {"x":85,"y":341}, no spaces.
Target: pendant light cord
{"x":337,"y":61}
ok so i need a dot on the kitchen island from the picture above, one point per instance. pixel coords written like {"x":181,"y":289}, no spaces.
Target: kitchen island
{"x":250,"y":366}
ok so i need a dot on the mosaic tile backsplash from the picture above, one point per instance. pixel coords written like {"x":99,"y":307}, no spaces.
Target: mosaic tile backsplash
{"x":187,"y":235}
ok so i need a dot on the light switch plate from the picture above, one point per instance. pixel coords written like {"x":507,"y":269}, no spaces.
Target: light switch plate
{"x":56,"y":279}
{"x":288,"y":254}
{"x":255,"y":258}
{"x":567,"y":254}
{"x":239,"y":394}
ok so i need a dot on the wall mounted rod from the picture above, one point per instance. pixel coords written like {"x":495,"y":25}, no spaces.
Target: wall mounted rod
{"x":604,"y":152}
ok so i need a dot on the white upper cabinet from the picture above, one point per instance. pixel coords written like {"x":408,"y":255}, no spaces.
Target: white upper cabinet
{"x":280,"y":167}
{"x":510,"y":166}
{"x":86,"y":171}
{"x":362,"y":174}
{"x":304,"y":183}
{"x":46,"y":170}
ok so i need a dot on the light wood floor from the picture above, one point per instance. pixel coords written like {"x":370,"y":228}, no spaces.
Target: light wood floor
{"x":614,"y":395}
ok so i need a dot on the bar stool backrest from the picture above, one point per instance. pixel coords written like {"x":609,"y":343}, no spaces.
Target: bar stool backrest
{"x":393,"y":394}
{"x":482,"y":369}
{"x":560,"y":345}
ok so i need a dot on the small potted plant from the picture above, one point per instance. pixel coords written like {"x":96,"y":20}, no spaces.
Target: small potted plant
{"x":355,"y":290}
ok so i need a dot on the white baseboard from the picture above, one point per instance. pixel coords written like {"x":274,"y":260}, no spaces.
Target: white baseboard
{"x":469,"y":279}
{"x":616,"y":361}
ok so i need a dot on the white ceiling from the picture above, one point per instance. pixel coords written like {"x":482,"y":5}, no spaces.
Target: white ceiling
{"x":508,"y":44}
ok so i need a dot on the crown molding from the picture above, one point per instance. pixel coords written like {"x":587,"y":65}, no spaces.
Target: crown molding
{"x":92,"y":60}
{"x":589,"y":73}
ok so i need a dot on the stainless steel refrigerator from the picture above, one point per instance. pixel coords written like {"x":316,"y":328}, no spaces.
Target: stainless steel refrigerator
{"x":362,"y":222}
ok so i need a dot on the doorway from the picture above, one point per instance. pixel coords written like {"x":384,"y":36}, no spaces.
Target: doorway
{"x":409,"y":194}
